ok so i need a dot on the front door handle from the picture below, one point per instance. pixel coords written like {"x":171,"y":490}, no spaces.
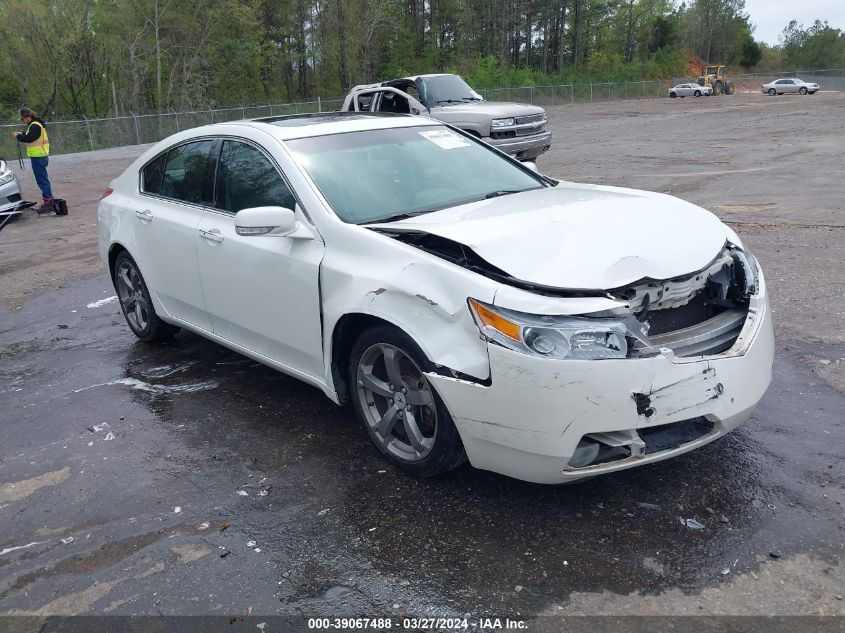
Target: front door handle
{"x":212,"y":235}
{"x":146,"y":215}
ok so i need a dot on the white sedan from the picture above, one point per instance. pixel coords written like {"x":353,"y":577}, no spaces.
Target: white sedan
{"x":790,"y":86}
{"x":463,"y":305}
{"x":690,"y":90}
{"x":10,"y":194}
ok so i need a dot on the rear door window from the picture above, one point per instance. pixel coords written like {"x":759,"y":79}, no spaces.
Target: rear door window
{"x":187,"y":174}
{"x":246,"y":178}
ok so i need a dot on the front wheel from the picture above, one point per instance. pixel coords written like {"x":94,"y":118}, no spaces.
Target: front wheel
{"x":802,"y":91}
{"x":136,"y":304}
{"x":673,"y":95}
{"x":402,"y":413}
{"x":697,"y":93}
{"x":772,"y":92}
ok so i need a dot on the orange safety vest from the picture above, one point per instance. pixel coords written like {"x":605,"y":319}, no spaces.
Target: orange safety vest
{"x":40,"y":147}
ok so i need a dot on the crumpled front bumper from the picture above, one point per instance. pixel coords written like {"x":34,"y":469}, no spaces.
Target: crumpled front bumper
{"x":529,"y":420}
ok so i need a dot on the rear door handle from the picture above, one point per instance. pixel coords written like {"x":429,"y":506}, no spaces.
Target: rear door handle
{"x":212,"y":235}
{"x":146,"y":215}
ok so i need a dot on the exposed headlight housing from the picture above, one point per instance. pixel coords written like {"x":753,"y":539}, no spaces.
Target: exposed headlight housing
{"x":560,"y":337}
{"x":502,"y":122}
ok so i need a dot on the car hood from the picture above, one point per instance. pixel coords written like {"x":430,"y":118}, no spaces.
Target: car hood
{"x":580,"y":237}
{"x":493,"y":109}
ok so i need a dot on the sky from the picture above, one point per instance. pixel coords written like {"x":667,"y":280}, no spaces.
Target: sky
{"x":771,"y":16}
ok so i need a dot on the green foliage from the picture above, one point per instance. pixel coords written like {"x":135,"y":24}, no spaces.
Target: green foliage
{"x":818,"y":47}
{"x":68,"y":58}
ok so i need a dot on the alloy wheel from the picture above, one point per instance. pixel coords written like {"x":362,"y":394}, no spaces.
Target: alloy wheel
{"x":397,"y":402}
{"x":133,"y":300}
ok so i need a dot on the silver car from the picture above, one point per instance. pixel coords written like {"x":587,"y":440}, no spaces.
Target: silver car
{"x":690,"y":90}
{"x":790,"y":86}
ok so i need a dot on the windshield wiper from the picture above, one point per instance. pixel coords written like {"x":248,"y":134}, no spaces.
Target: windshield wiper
{"x":502,"y":192}
{"x":471,"y":99}
{"x":449,"y":101}
{"x":400,"y":216}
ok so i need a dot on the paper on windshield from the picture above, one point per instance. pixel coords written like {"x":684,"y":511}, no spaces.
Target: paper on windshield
{"x":444,"y":139}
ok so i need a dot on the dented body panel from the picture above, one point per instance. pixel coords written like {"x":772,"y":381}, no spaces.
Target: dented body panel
{"x":528,"y":422}
{"x":549,"y":236}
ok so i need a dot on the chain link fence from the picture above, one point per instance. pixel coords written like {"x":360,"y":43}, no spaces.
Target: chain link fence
{"x":577,"y":93}
{"x":138,"y":129}
{"x":91,"y":134}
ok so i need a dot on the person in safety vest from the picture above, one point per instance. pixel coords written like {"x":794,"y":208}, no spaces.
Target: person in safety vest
{"x":37,"y":150}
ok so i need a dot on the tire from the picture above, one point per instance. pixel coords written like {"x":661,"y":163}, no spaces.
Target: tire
{"x":772,"y":92}
{"x":717,"y":87}
{"x":802,"y":90}
{"x":418,"y":435}
{"x":673,"y":95}
{"x":136,"y":304}
{"x":729,"y":88}
{"x":697,"y":93}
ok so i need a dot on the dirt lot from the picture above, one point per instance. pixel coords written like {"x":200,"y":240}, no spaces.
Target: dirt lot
{"x":193,"y":426}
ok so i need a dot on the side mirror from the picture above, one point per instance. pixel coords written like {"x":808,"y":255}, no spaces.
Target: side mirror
{"x":265,"y":221}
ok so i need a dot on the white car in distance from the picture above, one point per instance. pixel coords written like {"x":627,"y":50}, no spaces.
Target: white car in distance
{"x":790,"y":86}
{"x":465,"y":306}
{"x":690,"y":90}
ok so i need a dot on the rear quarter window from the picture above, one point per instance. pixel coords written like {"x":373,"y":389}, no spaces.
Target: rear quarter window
{"x":151,"y":175}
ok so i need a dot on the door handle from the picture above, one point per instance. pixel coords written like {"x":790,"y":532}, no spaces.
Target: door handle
{"x":212,"y":235}
{"x":146,"y":215}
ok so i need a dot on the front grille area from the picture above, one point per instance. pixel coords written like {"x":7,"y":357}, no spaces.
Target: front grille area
{"x":700,"y":315}
{"x":595,"y":449}
{"x":668,"y":436}
{"x":530,"y":118}
{"x":15,"y":197}
{"x":526,"y":131}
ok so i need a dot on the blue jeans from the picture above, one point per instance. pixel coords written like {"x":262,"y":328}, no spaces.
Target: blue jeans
{"x":39,"y":170}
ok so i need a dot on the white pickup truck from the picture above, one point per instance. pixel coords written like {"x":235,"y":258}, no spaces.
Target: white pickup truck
{"x":515,"y":128}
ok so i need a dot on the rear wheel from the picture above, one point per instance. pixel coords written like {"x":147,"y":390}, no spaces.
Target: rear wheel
{"x":135,"y":302}
{"x":717,"y":87}
{"x":402,"y":413}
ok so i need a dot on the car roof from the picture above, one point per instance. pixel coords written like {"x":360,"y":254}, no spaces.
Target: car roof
{"x":306,"y":125}
{"x":415,"y":77}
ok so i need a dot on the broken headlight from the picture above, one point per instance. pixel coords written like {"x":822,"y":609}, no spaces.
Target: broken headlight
{"x":559,"y":337}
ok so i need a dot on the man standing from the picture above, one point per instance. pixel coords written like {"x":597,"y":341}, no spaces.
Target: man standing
{"x":37,"y":150}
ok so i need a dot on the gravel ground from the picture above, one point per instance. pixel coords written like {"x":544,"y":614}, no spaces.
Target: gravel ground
{"x":163,"y":464}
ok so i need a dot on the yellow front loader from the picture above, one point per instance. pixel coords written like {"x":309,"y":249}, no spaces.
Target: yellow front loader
{"x":714,"y":76}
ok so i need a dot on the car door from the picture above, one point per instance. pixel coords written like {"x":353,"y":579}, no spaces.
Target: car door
{"x":387,"y":99}
{"x":175,"y":187}
{"x":261,"y":291}
{"x":685,"y":90}
{"x":788,"y":86}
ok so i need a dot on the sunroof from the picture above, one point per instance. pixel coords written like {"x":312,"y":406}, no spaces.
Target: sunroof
{"x":298,"y":120}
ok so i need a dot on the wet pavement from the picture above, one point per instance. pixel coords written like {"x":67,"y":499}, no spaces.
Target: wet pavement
{"x":186,"y":479}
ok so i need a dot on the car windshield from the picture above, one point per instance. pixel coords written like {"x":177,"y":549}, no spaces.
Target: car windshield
{"x":446,"y":89}
{"x":384,"y":175}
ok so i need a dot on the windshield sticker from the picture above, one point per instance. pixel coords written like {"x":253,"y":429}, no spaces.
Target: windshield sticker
{"x":445,"y":139}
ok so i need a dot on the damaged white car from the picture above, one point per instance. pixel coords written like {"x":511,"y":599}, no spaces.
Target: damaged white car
{"x":465,"y":306}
